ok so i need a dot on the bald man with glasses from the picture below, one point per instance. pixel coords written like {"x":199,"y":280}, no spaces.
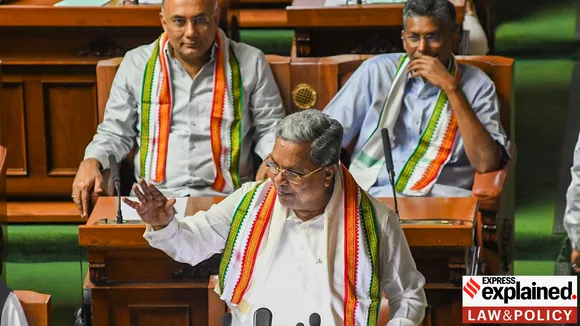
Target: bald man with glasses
{"x":194,"y":103}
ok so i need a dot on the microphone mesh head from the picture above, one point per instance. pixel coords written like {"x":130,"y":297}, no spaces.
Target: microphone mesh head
{"x":227,"y":319}
{"x":314,"y":319}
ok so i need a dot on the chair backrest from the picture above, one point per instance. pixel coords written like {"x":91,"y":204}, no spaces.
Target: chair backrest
{"x":326,"y":75}
{"x":106,"y":70}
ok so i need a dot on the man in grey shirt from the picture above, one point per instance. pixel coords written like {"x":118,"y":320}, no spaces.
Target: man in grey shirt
{"x":572,"y":214}
{"x":194,"y":102}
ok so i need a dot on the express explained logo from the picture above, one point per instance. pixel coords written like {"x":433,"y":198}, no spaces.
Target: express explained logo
{"x":471,"y":288}
{"x":508,"y":288}
{"x":520,"y":299}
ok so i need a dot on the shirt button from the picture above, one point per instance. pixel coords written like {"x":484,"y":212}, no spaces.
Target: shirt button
{"x":416,"y":123}
{"x":193,"y":124}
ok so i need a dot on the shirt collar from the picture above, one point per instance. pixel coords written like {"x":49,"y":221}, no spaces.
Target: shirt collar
{"x":292,"y":217}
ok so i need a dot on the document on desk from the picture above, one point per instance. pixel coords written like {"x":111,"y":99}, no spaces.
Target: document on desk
{"x":150,"y":2}
{"x":130,"y":214}
{"x":81,"y":3}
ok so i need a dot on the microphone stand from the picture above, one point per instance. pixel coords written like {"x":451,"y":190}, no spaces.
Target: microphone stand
{"x":119,"y":216}
{"x":392,"y":180}
{"x":116,"y":179}
{"x":390,"y":166}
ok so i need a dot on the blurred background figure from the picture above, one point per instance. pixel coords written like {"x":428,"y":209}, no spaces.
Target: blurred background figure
{"x":477,"y":43}
{"x":572,"y":215}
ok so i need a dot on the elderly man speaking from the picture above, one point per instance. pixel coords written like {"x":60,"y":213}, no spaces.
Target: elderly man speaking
{"x":307,"y":240}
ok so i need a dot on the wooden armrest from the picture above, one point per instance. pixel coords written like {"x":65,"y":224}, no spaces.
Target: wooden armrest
{"x":487,"y":187}
{"x":36,"y":307}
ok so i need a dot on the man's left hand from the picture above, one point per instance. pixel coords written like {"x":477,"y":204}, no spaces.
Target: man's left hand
{"x":262,"y":173}
{"x":575,"y":260}
{"x":434,"y":71}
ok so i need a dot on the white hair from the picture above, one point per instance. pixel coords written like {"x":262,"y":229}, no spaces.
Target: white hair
{"x":313,"y":126}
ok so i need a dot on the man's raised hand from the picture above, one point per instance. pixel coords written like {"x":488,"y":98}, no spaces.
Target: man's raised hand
{"x":153,"y":207}
{"x":434,"y":71}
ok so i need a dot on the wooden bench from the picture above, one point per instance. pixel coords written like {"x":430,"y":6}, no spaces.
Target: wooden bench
{"x":36,"y":307}
{"x":43,"y":212}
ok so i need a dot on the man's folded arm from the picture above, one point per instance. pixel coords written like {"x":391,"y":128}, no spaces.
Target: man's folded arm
{"x":266,"y":108}
{"x":116,"y":133}
{"x":195,"y":238}
{"x":401,"y":282}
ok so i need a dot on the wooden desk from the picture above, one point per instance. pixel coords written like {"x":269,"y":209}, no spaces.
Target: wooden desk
{"x":351,"y":29}
{"x":125,"y":272}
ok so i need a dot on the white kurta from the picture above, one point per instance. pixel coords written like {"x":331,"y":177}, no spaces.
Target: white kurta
{"x":296,"y":285}
{"x":12,"y":313}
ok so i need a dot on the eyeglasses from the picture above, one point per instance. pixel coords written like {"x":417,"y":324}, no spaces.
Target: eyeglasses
{"x":292,"y":177}
{"x":431,"y":39}
{"x":200,"y":22}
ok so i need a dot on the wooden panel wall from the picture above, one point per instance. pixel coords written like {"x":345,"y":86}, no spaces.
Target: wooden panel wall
{"x":51,"y":115}
{"x":51,"y":99}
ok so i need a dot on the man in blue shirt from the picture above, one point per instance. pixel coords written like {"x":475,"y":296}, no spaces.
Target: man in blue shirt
{"x":443,"y":117}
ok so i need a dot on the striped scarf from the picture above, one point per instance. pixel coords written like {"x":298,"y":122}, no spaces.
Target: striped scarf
{"x":357,"y":262}
{"x":225,"y":119}
{"x":432,"y":152}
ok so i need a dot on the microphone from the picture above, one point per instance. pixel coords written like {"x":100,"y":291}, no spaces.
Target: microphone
{"x":390,"y":167}
{"x":314,"y":319}
{"x":300,"y":324}
{"x":263,"y":317}
{"x":227,"y":319}
{"x":116,"y":179}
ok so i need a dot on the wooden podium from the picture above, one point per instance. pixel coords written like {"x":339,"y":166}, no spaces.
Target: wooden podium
{"x":134,"y":284}
{"x":321,"y":30}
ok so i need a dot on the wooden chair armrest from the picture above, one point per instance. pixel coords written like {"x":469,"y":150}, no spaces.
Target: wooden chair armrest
{"x":488,"y":187}
{"x":36,"y":307}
